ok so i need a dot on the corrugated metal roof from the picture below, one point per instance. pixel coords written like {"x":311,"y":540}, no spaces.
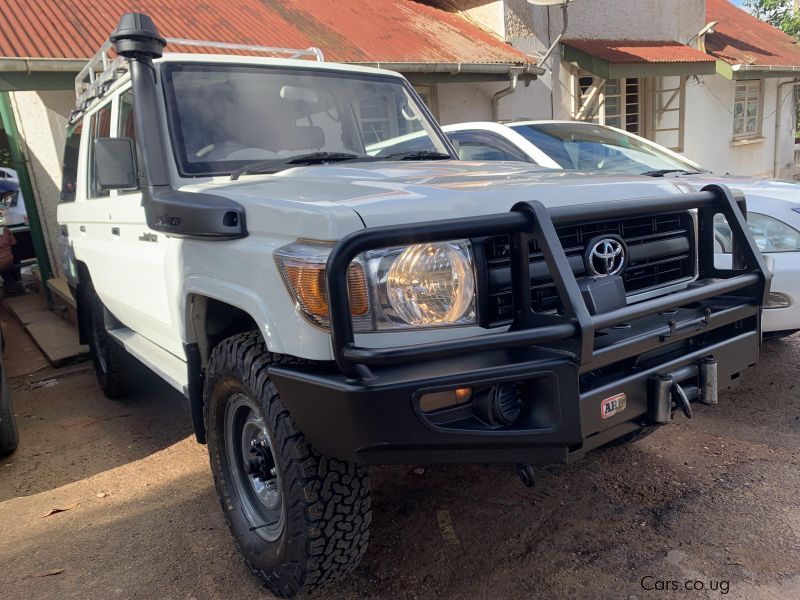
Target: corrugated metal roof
{"x":742,"y":39}
{"x":396,"y":31}
{"x":620,"y":52}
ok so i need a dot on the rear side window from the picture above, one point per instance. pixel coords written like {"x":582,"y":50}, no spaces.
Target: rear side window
{"x":69,"y":168}
{"x":126,"y":127}
{"x":100,"y":128}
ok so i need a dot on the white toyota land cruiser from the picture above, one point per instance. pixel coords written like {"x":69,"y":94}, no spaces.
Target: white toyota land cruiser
{"x":291,"y":244}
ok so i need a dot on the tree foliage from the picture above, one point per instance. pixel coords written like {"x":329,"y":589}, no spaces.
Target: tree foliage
{"x":778,"y":13}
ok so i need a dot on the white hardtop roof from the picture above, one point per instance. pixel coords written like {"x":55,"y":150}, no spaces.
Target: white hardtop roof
{"x":225,"y":59}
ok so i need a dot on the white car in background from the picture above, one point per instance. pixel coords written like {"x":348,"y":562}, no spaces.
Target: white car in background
{"x":773,"y":205}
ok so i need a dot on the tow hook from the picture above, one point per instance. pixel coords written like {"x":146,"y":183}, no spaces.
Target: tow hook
{"x":676,"y":390}
{"x":526,"y":474}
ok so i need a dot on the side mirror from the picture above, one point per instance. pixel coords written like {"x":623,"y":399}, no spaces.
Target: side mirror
{"x":114,"y":164}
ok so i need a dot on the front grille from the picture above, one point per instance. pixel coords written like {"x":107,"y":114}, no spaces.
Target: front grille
{"x":661,"y":253}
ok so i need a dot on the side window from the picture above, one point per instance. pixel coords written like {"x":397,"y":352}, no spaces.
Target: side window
{"x":478,"y":145}
{"x":100,"y":127}
{"x":125,"y":125}
{"x":69,"y":167}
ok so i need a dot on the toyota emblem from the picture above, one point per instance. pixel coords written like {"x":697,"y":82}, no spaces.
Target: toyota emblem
{"x":606,"y":257}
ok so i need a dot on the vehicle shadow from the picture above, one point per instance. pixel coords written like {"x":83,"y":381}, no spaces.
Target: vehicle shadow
{"x":69,"y":430}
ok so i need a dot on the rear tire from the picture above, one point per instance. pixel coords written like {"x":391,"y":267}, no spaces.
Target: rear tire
{"x":9,"y":438}
{"x":118,"y":373}
{"x":311,"y":513}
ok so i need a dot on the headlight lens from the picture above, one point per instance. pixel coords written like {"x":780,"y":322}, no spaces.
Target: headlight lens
{"x":432,"y":284}
{"x":419,"y":286}
{"x":770,"y":234}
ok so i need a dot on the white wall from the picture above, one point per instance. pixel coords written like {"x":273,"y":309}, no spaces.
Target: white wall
{"x":709,"y":129}
{"x":41,"y":120}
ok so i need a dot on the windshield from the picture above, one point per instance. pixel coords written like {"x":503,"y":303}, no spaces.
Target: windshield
{"x":587,"y":147}
{"x":224,"y":117}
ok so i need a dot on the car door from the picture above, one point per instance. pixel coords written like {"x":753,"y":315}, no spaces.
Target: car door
{"x":126,"y":260}
{"x":485,"y":146}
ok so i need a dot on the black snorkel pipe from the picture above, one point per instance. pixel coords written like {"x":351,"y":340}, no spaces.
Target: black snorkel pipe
{"x":175,"y":213}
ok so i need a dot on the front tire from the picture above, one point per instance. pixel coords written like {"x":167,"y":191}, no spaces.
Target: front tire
{"x":301,"y":520}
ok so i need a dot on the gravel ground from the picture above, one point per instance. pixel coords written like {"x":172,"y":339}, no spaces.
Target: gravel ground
{"x":711,"y":503}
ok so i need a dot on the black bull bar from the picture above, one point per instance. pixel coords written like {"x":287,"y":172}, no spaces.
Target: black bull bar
{"x":747,"y":281}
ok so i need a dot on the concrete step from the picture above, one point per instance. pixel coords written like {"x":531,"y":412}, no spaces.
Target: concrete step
{"x":55,"y":337}
{"x":64,"y":304}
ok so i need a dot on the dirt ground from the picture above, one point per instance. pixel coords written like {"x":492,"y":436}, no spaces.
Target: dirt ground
{"x":711,"y":503}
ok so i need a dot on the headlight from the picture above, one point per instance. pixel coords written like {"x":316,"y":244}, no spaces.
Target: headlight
{"x":427,"y":284}
{"x":770,"y":234}
{"x":424,"y":285}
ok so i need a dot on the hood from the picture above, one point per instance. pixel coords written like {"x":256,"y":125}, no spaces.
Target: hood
{"x":392,"y":193}
{"x":763,"y":195}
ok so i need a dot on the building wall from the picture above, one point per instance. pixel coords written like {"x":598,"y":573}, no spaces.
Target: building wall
{"x":668,"y":20}
{"x":41,"y":120}
{"x":709,"y":129}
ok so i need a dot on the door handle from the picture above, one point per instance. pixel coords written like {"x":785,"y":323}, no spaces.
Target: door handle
{"x":83,"y":228}
{"x":115,"y":231}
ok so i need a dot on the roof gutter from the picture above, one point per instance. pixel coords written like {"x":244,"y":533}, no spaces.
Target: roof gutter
{"x":42,"y":65}
{"x":765,"y":69}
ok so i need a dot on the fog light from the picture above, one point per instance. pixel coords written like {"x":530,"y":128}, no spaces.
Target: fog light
{"x":776,"y":300}
{"x":500,"y":405}
{"x":439,"y":400}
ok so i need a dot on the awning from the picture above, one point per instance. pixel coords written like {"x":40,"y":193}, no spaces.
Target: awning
{"x":617,"y":59}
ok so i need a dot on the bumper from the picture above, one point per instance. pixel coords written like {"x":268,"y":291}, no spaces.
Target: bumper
{"x":381,"y":421}
{"x":574,"y":380}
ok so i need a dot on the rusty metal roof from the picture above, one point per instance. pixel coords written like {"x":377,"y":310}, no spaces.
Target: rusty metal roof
{"x":741,"y":39}
{"x":634,"y":52}
{"x":390,"y":31}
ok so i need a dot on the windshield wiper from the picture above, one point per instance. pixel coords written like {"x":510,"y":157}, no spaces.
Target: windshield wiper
{"x":417,"y":155}
{"x":662,"y":172}
{"x":312,"y":158}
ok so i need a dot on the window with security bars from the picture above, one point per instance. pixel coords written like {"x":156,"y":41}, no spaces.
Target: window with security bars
{"x":747,"y":110}
{"x":652,"y":107}
{"x":613,"y":102}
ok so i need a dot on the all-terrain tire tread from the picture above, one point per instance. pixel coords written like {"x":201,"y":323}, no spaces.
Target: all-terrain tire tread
{"x":327,"y":500}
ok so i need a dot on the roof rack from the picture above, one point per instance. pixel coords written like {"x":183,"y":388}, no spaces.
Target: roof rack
{"x":104,"y":68}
